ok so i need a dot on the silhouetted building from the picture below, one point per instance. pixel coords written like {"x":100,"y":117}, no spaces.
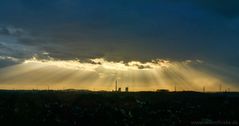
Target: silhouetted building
{"x":127,"y":89}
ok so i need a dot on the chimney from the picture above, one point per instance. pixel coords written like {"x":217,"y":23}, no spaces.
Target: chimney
{"x":127,"y":89}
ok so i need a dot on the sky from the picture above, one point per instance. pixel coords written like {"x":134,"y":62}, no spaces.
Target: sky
{"x":144,"y":44}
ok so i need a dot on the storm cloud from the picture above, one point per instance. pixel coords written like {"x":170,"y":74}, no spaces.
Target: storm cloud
{"x":122,"y":30}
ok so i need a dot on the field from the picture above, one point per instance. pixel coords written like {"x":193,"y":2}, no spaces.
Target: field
{"x":77,"y":108}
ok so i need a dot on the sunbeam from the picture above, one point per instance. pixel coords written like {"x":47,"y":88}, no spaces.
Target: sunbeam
{"x":100,"y":74}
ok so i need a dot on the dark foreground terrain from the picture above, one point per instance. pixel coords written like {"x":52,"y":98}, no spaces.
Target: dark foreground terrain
{"x":77,"y":108}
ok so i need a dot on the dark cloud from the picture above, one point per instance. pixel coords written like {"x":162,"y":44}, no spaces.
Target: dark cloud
{"x":11,"y":47}
{"x":11,"y":30}
{"x":125,"y":30}
{"x":8,"y":61}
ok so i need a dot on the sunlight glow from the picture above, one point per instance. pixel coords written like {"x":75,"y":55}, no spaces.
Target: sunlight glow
{"x":100,"y":74}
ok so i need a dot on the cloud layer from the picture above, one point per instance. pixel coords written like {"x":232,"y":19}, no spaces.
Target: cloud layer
{"x":122,"y":30}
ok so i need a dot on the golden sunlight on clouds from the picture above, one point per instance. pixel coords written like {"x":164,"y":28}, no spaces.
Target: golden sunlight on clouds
{"x":100,"y":74}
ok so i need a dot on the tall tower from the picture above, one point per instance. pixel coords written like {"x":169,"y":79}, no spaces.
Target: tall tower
{"x":116,"y":85}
